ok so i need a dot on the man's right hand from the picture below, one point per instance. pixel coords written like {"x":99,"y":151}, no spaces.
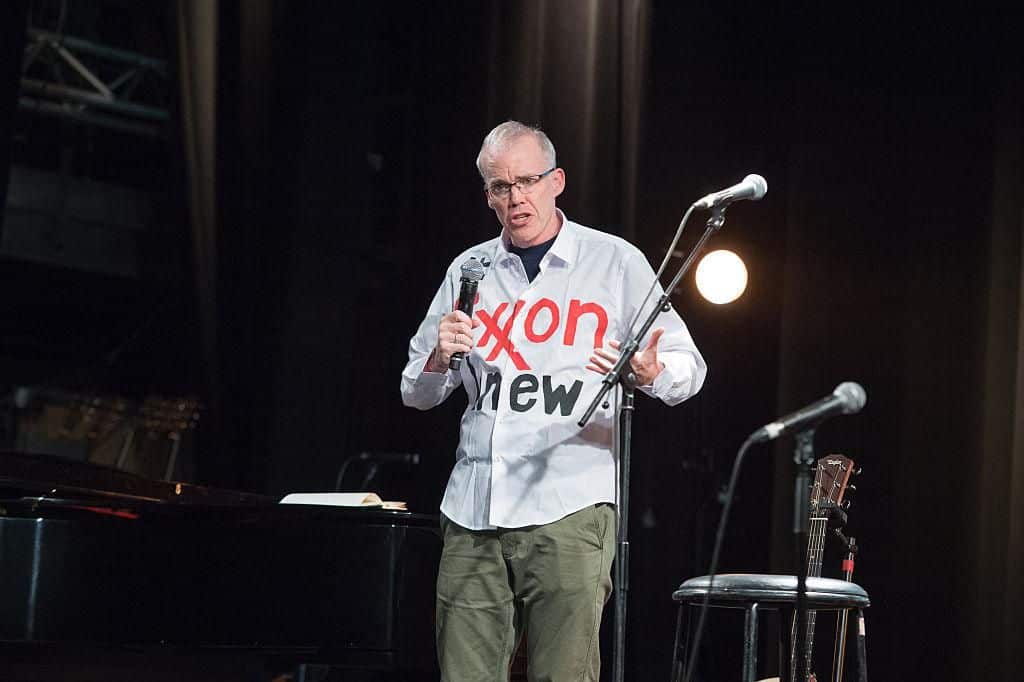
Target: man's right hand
{"x":454,"y":335}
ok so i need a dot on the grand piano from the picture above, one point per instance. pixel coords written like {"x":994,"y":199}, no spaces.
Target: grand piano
{"x":102,"y":561}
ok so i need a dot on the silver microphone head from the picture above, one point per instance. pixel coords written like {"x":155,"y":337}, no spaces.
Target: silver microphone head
{"x":472,"y":270}
{"x":752,"y":187}
{"x":760,"y":185}
{"x":852,"y":396}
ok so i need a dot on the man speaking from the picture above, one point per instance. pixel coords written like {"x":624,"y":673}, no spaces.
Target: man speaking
{"x":528,"y":515}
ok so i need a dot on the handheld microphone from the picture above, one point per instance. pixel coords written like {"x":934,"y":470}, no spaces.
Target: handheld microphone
{"x":753,"y":187}
{"x":472,"y":273}
{"x":848,"y":398}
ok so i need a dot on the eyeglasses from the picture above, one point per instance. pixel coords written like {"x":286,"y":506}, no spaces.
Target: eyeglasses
{"x":525,"y":183}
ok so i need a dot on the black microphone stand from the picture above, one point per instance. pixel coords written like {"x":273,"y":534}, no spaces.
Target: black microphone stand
{"x":622,"y":374}
{"x":803,"y":459}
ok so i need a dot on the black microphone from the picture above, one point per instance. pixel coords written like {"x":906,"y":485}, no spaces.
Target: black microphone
{"x":848,"y":398}
{"x":753,"y":187}
{"x":472,"y":273}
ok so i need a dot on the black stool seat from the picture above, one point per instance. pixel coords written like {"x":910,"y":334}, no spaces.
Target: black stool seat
{"x":764,"y":588}
{"x":753,"y":592}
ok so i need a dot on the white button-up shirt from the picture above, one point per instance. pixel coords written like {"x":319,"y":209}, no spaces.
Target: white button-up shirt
{"x":522,"y":459}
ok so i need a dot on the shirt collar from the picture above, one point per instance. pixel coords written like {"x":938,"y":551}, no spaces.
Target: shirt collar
{"x":564,"y":247}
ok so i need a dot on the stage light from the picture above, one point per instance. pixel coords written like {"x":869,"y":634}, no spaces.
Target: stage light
{"x":721,"y":276}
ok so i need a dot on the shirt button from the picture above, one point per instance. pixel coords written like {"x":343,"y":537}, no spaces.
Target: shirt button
{"x":497,"y":458}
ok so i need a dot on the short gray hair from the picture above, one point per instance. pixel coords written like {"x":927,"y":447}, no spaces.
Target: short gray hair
{"x":504,"y":134}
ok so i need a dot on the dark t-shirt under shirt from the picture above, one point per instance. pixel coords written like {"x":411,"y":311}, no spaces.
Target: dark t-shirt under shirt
{"x":531,"y":256}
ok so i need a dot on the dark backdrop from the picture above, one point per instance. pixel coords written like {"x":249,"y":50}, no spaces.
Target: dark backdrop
{"x":328,"y":151}
{"x":887,"y":252}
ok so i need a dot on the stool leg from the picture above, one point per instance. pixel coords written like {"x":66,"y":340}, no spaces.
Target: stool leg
{"x":862,"y":648}
{"x":787,"y":630}
{"x":783,"y":643}
{"x":750,"y":644}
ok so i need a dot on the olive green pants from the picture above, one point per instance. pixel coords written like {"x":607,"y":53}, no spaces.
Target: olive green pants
{"x":551,"y":581}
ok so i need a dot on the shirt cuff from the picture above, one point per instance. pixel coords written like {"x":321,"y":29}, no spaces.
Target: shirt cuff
{"x":673,"y":382}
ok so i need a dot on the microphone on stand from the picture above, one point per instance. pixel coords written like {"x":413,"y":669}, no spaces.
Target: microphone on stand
{"x":752,"y":187}
{"x":848,"y":398}
{"x":472,"y":273}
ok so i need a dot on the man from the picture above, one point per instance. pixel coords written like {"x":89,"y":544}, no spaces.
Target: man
{"x":528,"y":516}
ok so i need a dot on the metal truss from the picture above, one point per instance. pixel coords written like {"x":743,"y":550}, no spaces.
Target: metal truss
{"x":91,"y":83}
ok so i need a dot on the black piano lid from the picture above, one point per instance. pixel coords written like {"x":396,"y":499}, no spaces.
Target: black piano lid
{"x":59,"y":477}
{"x":33,"y":483}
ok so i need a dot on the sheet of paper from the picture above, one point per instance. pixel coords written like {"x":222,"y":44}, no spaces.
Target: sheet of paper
{"x":334,"y":499}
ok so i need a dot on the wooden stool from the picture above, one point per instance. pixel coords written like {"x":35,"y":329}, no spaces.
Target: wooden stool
{"x":754,"y":592}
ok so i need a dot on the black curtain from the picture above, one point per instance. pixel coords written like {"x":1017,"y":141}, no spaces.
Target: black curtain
{"x":226,"y":80}
{"x":197,"y":36}
{"x":991,"y":589}
{"x":331,"y":149}
{"x":902,"y":271}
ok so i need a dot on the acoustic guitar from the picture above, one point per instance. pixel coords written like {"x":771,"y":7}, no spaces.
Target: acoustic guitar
{"x":831,"y":480}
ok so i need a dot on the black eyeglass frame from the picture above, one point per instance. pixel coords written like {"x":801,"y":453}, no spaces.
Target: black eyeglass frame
{"x":525,"y":183}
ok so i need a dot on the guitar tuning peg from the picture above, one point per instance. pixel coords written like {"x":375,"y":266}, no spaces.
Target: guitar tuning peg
{"x":858,"y":471}
{"x":851,"y":487}
{"x":846,"y":504}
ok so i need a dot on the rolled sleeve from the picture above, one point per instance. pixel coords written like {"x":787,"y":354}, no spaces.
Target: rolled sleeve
{"x":681,"y":378}
{"x":424,"y":390}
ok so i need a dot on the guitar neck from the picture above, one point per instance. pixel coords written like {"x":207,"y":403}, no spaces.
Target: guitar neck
{"x":815,"y":553}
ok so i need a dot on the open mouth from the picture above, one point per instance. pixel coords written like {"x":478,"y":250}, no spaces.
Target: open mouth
{"x":520,"y":218}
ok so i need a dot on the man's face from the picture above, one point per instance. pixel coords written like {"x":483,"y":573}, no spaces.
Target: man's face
{"x":527,"y":218}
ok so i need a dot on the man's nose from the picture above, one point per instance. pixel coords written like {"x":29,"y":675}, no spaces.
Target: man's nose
{"x":513,"y":191}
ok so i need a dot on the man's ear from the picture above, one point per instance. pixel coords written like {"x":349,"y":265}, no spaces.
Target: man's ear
{"x":559,"y":180}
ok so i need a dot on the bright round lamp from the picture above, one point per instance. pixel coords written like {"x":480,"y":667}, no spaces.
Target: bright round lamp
{"x":721,"y":276}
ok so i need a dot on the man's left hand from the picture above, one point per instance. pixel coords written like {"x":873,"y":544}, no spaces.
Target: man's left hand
{"x":644,"y":362}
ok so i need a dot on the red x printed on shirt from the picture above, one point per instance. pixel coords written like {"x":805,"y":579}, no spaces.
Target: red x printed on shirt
{"x":501,"y":334}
